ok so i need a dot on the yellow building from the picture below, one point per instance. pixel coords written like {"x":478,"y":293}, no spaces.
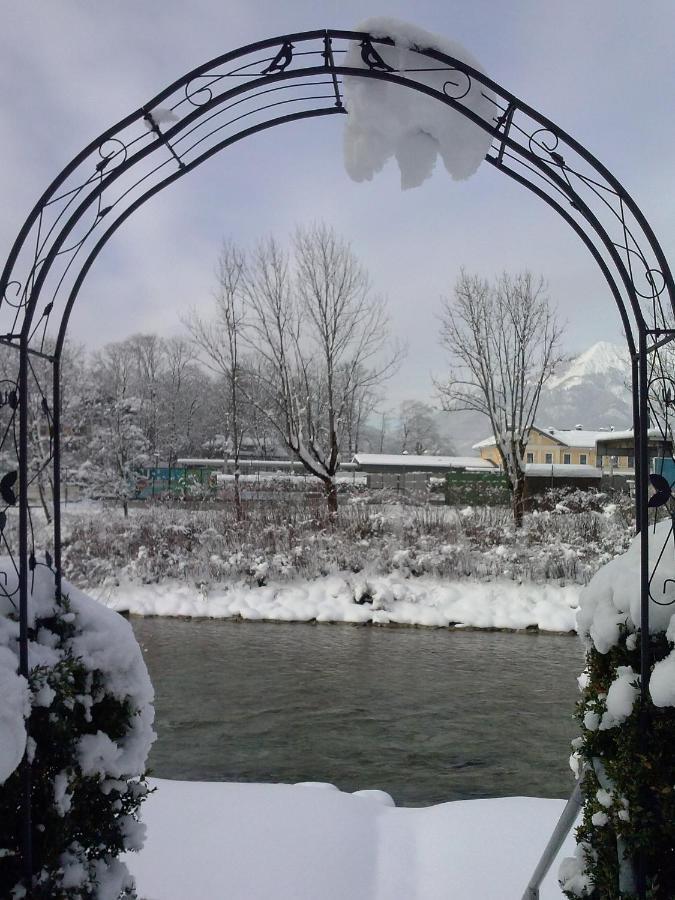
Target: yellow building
{"x":555,"y":446}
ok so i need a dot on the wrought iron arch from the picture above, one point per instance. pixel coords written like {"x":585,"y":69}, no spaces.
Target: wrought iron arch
{"x":254,"y":88}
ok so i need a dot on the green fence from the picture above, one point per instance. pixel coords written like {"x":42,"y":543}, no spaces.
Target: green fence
{"x":476,"y":489}
{"x":163,"y":480}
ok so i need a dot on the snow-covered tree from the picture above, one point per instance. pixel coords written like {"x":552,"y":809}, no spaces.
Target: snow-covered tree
{"x":186,"y":398}
{"x":418,"y":432}
{"x":117,"y":448}
{"x":504,"y":343}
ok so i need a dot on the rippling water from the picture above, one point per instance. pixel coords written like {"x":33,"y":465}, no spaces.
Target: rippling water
{"x":425,"y":714}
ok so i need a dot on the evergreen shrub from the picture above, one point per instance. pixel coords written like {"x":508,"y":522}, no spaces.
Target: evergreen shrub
{"x":83,"y":725}
{"x":625,"y":753}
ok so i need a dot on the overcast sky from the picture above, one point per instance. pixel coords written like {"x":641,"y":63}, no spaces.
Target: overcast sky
{"x":603,"y":70}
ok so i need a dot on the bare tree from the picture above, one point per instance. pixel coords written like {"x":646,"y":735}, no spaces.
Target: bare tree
{"x":504,"y":341}
{"x":322,"y":341}
{"x":418,"y":431}
{"x":147,"y":354}
{"x":185,"y":390}
{"x":219,"y":341}
{"x":117,"y":448}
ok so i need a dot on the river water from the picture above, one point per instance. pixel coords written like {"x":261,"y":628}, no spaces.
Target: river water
{"x":426,"y":714}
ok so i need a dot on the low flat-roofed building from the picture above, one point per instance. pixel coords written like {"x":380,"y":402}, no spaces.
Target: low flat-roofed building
{"x":613,"y":446}
{"x":405,"y":462}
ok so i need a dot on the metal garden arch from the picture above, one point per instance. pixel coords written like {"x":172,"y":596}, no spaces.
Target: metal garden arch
{"x":269,"y":83}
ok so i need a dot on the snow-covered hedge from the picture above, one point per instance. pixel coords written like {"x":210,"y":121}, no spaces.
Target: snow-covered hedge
{"x":83,"y":721}
{"x":629,"y":786}
{"x":280,"y":543}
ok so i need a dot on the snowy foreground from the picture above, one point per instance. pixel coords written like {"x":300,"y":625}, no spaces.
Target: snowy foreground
{"x":381,"y":599}
{"x":313,"y":842}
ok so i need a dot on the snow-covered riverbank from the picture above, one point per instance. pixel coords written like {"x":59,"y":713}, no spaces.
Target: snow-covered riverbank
{"x":290,"y":842}
{"x":360,"y":599}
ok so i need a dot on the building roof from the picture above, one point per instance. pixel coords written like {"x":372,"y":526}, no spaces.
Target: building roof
{"x":408,"y":461}
{"x":627,"y":435}
{"x":568,"y":437}
{"x":559,"y":470}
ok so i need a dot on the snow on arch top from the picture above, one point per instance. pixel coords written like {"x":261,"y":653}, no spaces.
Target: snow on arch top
{"x":386,"y":119}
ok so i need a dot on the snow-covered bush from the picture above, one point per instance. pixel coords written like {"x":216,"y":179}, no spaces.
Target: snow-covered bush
{"x":299,"y":540}
{"x":83,"y":722}
{"x":628,"y":783}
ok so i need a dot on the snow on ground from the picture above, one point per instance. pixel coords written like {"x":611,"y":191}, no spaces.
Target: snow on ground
{"x":384,"y":599}
{"x":312,"y":842}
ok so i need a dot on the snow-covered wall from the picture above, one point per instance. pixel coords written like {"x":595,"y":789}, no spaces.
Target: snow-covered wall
{"x":386,"y":119}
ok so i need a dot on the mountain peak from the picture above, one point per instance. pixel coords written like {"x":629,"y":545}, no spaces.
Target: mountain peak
{"x":600,"y":359}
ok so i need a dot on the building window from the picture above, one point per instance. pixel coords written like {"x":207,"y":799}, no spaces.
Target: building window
{"x":567,"y":459}
{"x":631,"y":462}
{"x":583,"y":459}
{"x":549,"y":458}
{"x":530,"y":457}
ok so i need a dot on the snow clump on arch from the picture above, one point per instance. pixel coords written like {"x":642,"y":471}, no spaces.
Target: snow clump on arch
{"x":389,"y":120}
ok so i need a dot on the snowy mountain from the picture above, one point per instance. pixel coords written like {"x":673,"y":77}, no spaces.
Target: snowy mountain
{"x":603,"y":362}
{"x":592,"y":390}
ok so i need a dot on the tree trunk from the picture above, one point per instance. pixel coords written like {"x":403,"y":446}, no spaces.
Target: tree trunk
{"x":237,"y":492}
{"x":125,"y":507}
{"x":43,"y":499}
{"x":331,"y":496}
{"x":518,"y":502}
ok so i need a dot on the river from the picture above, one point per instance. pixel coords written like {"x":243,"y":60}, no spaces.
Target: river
{"x":426,"y":714}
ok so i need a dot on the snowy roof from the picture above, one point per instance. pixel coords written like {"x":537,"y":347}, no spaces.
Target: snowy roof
{"x":427,"y":462}
{"x":570,"y":437}
{"x":627,"y":435}
{"x":559,"y":470}
{"x":573,"y":437}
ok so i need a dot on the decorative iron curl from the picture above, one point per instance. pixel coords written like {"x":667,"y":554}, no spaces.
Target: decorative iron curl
{"x":671,"y":533}
{"x":117,"y":148}
{"x":667,"y":395}
{"x":670,"y":602}
{"x":650,"y":274}
{"x":536,"y":143}
{"x":21,"y":298}
{"x":461,"y":93}
{"x":191,"y":95}
{"x":4,"y":592}
{"x":9,"y":396}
